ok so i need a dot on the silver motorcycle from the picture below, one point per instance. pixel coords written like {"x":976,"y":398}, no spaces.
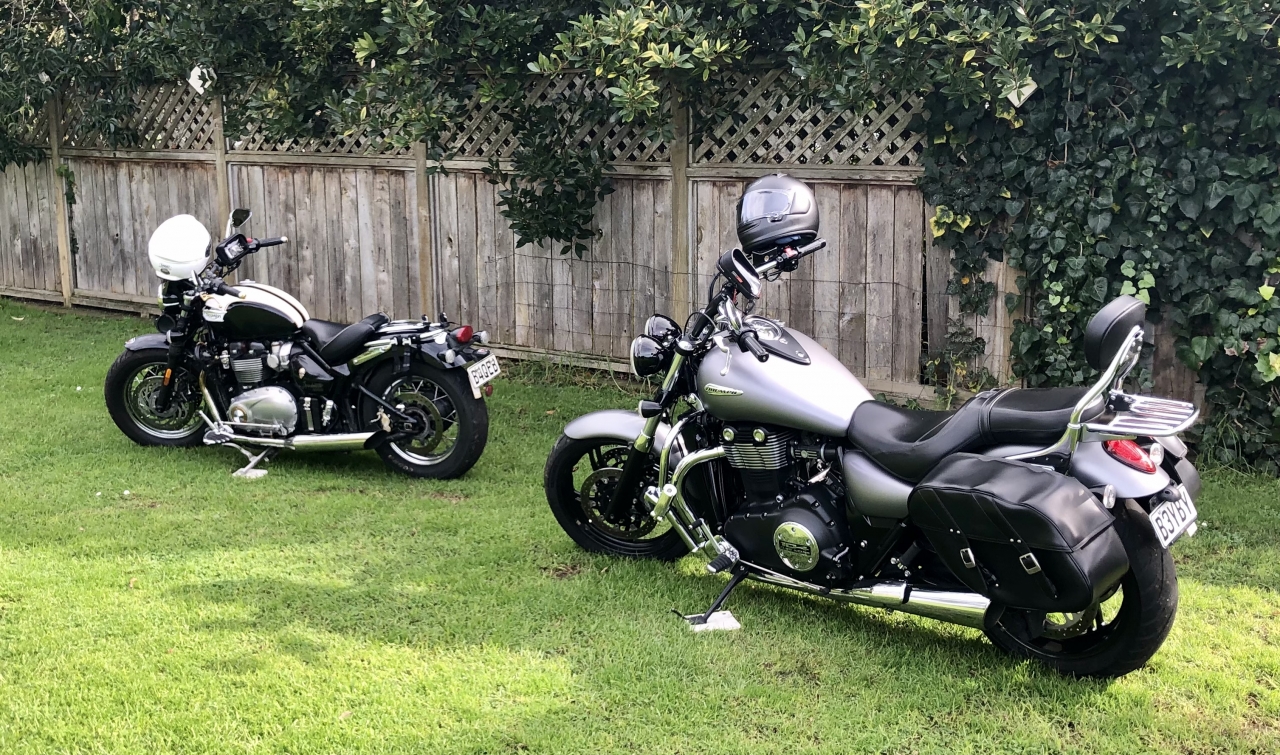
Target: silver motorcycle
{"x":1042,"y":517}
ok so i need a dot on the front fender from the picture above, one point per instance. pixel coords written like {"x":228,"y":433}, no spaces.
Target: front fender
{"x":617,"y":424}
{"x":147,"y":341}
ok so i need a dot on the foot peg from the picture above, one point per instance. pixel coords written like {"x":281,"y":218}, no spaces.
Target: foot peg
{"x":722,"y":562}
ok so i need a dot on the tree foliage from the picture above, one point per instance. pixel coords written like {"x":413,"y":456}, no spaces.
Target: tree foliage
{"x":1101,"y":146}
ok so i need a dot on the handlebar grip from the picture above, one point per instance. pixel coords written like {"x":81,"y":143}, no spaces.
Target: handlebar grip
{"x":747,"y":340}
{"x":223,"y":288}
{"x":272,"y":242}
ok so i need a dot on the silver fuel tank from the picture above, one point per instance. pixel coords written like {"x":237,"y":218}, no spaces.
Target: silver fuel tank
{"x":818,"y":397}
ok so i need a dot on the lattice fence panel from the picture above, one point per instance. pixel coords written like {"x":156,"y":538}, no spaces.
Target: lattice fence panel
{"x":772,"y":125}
{"x":35,"y":131}
{"x":486,"y":129}
{"x":166,"y":117}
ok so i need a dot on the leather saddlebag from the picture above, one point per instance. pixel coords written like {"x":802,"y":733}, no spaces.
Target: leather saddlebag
{"x":1022,"y":535}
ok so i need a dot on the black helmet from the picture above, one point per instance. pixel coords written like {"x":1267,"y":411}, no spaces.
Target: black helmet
{"x":775,"y":211}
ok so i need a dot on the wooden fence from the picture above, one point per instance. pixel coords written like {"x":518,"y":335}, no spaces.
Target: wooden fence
{"x":371,"y":228}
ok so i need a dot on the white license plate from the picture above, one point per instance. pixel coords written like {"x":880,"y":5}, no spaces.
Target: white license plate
{"x":482,"y":372}
{"x":1172,"y":518}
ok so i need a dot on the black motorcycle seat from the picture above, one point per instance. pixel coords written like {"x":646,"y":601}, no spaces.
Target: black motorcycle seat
{"x":337,"y":342}
{"x":910,"y":442}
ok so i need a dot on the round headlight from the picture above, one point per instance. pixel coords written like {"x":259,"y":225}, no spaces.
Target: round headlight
{"x":647,"y":356}
{"x":661,"y":328}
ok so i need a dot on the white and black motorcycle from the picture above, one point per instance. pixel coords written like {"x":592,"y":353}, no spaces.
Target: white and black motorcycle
{"x":247,"y":366}
{"x":1043,"y":517}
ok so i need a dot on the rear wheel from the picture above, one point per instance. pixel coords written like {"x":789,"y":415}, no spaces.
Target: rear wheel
{"x":1117,"y":635}
{"x":456,"y":423}
{"x":131,"y":389}
{"x":580,"y":479}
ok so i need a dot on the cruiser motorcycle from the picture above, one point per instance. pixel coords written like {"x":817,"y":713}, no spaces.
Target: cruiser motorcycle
{"x":247,"y":366}
{"x":1042,"y":517}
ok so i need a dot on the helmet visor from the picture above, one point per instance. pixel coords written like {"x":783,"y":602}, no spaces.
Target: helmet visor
{"x":766,"y":203}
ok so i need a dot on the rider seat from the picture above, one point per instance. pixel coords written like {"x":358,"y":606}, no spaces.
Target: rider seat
{"x":337,"y":342}
{"x":910,"y":442}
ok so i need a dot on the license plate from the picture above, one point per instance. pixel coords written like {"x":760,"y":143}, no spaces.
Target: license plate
{"x":482,"y":372}
{"x":1172,"y":518}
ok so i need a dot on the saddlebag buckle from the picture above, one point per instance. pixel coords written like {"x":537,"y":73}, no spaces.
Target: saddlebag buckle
{"x":1029,"y":563}
{"x":966,"y":558}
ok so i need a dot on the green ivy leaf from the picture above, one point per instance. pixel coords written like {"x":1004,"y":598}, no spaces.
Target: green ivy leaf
{"x":1128,"y":289}
{"x":1099,"y":222}
{"x":1266,"y":292}
{"x":1218,"y":191}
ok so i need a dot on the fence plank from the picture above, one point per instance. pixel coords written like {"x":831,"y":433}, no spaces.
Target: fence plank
{"x":853,"y":274}
{"x":908,"y":277}
{"x":352,"y":274}
{"x":880,"y":311}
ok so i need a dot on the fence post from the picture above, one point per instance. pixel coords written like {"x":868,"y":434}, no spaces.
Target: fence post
{"x":681,"y":288}
{"x":220,"y":164}
{"x":426,"y":233}
{"x":53,"y":114}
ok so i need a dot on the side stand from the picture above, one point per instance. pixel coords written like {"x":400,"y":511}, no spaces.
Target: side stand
{"x":251,"y":471}
{"x":715,"y":619}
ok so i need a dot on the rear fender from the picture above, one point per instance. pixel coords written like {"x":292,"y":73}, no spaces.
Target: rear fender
{"x":616,"y":424}
{"x":1093,"y":466}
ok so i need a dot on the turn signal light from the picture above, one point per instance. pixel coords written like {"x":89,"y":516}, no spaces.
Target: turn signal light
{"x":1130,"y":454}
{"x":464,"y":334}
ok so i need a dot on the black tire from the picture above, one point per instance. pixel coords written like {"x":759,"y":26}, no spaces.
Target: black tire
{"x":640,"y":539}
{"x":1147,"y":607}
{"x":453,"y":414}
{"x":129,"y":390}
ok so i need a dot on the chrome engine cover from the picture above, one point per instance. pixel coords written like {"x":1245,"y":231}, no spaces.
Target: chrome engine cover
{"x":270,"y":410}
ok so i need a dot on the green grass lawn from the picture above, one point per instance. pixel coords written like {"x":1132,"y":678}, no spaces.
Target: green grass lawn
{"x":336,"y":607}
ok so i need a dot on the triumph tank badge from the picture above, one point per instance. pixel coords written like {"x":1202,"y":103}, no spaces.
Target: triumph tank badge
{"x":719,"y":390}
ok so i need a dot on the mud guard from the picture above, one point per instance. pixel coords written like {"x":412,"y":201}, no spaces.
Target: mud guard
{"x":617,"y":424}
{"x":147,"y":341}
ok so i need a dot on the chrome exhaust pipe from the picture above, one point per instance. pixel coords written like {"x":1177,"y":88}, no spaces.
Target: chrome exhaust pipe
{"x":335,"y":442}
{"x":964,"y":608}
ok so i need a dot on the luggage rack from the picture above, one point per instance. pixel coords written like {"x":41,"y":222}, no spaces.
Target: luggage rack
{"x":1130,"y":415}
{"x":1145,"y":415}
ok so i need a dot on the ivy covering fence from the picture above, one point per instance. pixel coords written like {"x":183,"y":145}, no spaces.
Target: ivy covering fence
{"x":1099,"y":148}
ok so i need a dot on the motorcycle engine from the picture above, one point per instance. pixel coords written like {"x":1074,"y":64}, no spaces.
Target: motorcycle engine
{"x":259,"y":409}
{"x":270,"y":410}
{"x":805,"y":536}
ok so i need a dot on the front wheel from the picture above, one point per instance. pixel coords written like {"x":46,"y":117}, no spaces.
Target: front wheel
{"x":132,"y":385}
{"x":1117,"y":635}
{"x":580,"y":479}
{"x":457,"y":423}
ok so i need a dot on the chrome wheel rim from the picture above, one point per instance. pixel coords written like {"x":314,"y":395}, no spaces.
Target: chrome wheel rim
{"x":427,"y":402}
{"x":142,"y":388}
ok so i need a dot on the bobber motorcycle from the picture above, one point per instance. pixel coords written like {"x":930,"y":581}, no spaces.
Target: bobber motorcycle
{"x":1042,"y":517}
{"x":246,"y":366}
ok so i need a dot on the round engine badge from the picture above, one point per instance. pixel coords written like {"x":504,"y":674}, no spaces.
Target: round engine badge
{"x":796,"y":546}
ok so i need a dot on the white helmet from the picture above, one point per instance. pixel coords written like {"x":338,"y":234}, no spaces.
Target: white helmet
{"x":179,"y":248}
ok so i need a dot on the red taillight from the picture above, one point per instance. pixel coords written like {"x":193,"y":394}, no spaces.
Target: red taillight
{"x":464,"y":334}
{"x":1130,"y":454}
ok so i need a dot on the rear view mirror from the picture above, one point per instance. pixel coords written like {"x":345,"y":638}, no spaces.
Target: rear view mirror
{"x":240,"y":217}
{"x":741,"y":274}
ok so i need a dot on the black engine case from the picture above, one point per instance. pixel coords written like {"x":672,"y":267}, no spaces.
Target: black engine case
{"x":805,"y":536}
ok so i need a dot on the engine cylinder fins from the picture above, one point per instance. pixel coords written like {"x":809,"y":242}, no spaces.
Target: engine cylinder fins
{"x":757,"y":447}
{"x":248,"y":370}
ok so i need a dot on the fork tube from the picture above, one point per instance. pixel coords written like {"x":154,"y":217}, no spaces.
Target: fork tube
{"x":638,"y":459}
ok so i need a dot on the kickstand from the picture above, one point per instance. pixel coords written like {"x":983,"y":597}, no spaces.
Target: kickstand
{"x":251,"y":471}
{"x":714,"y":618}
